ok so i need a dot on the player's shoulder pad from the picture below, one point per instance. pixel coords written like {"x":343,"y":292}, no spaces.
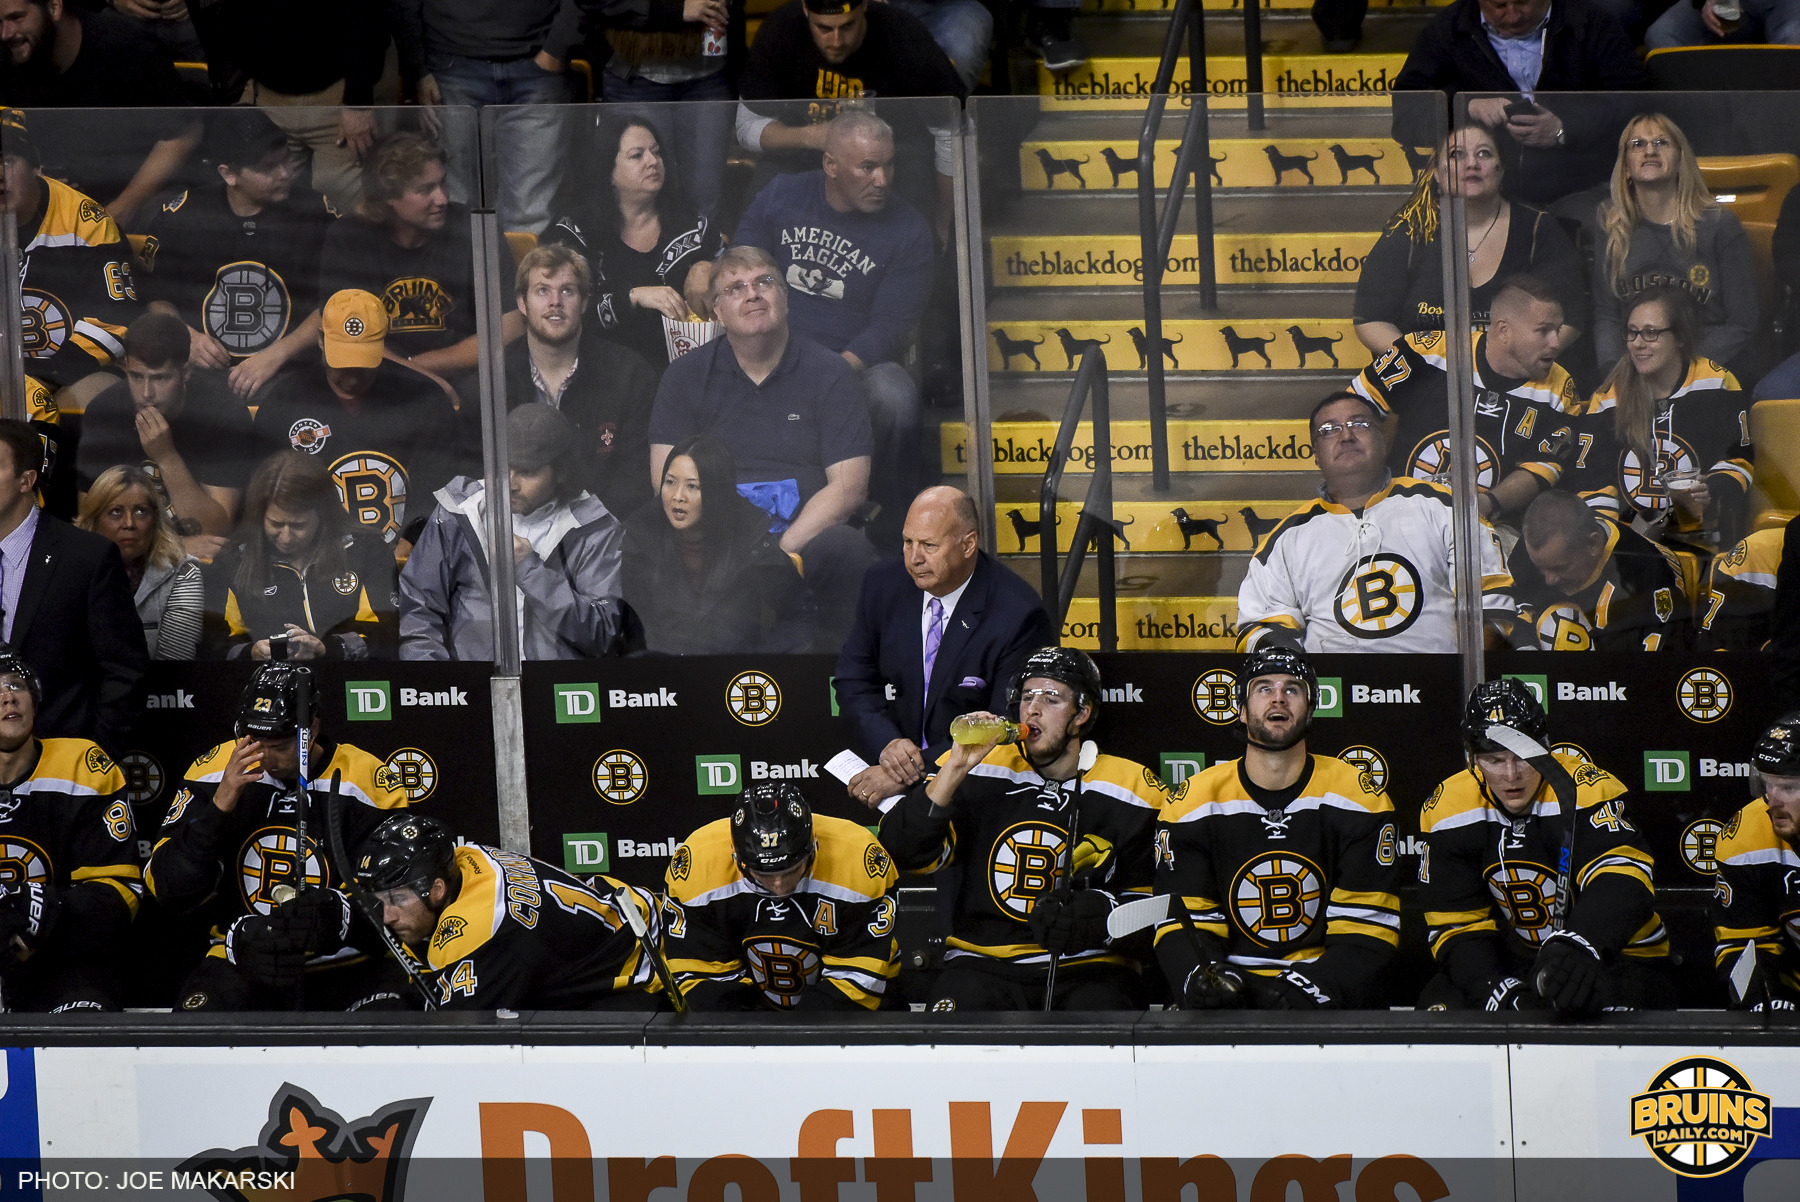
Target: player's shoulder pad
{"x":1217,"y":783}
{"x":209,"y":765}
{"x":174,"y":203}
{"x":1426,"y":344}
{"x":1297,"y":517}
{"x":851,"y":858}
{"x":1127,"y":781}
{"x":1457,"y":801}
{"x":1343,"y":779}
{"x":79,"y":766}
{"x":40,"y":402}
{"x":471,"y":920}
{"x":704,"y":862}
{"x":1758,"y":553}
{"x":1594,"y":785}
{"x":72,"y":213}
{"x":1748,"y":831}
{"x":366,"y":778}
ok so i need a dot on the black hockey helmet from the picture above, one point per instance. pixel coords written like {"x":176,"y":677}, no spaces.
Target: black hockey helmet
{"x":772,"y":827}
{"x":1066,"y":665}
{"x":1778,"y":751}
{"x":270,"y":705}
{"x":1503,"y":702}
{"x":13,"y":664}
{"x":407,"y":851}
{"x":1277,"y":660}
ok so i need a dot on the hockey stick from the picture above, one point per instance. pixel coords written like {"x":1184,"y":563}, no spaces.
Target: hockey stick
{"x":1562,"y":785}
{"x":283,"y":893}
{"x":1074,"y":839}
{"x":364,"y":899}
{"x":627,"y":906}
{"x":1130,"y":917}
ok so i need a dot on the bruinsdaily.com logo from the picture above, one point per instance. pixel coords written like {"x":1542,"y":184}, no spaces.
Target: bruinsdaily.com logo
{"x":1700,"y":1116}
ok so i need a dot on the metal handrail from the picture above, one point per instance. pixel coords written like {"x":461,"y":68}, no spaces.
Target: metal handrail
{"x":1096,"y":524}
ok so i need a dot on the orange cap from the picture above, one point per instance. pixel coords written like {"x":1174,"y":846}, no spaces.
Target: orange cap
{"x":356,"y":327}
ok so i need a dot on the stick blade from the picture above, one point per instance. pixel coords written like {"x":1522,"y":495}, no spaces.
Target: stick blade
{"x":1744,"y":970}
{"x":1134,"y":916}
{"x":1517,"y":742}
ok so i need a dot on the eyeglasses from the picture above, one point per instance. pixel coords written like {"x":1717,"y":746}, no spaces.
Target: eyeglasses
{"x":1047,"y":696}
{"x":14,"y":686}
{"x":741,"y":289}
{"x":1359,"y":425}
{"x":1648,"y":335}
{"x":1646,"y":143}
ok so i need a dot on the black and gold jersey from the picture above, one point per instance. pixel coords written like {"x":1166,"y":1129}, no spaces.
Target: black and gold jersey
{"x":1272,"y":879}
{"x":1756,"y":899}
{"x":522,"y":934}
{"x":244,"y":280}
{"x":1637,"y":599}
{"x":66,"y":824}
{"x":225,"y":866}
{"x":354,"y":611}
{"x":1488,"y":879}
{"x":830,"y":943}
{"x":1703,"y":427}
{"x":1519,"y":424}
{"x":1739,"y":602}
{"x":1009,"y":830}
{"x":77,"y":293}
{"x":427,"y":290}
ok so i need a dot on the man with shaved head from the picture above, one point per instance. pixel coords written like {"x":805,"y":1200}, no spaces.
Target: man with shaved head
{"x":856,"y":257}
{"x":941,"y":631}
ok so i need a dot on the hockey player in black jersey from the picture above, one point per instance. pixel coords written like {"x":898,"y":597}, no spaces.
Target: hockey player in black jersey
{"x":1049,"y":833}
{"x":69,"y":879}
{"x":777,"y":908}
{"x":1280,"y":866}
{"x":229,"y":852}
{"x":504,"y":931}
{"x":1521,"y":914}
{"x":1585,"y":583}
{"x":1756,"y":895}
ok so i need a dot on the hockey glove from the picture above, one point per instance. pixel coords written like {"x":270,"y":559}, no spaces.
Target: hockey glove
{"x":1066,"y":921}
{"x":1568,"y":973}
{"x":266,"y":951}
{"x":1213,"y":987}
{"x":27,"y":914}
{"x":1290,"y":990}
{"x":318,"y":920}
{"x":1510,"y":993}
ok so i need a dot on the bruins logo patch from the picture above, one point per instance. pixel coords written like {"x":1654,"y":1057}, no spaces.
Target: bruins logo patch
{"x":44,"y":323}
{"x":782,"y":968}
{"x":1526,"y":892}
{"x":21,"y":863}
{"x":1704,"y":694}
{"x":449,"y":929}
{"x":1430,"y":460}
{"x":248,"y":307}
{"x":1700,"y":845}
{"x":1380,"y":597}
{"x":412,"y":772}
{"x":1738,"y":555}
{"x":1278,"y":897}
{"x":417,"y":305}
{"x":178,"y":807}
{"x":876,"y":861}
{"x":345,"y":582}
{"x":90,"y":212}
{"x":373,"y":489}
{"x":1025,"y":865}
{"x":1374,"y":776}
{"x":682,"y":864}
{"x":209,"y":755}
{"x":753,"y":698}
{"x":1215,"y":696}
{"x":1588,"y":774}
{"x":98,"y":762}
{"x":271,"y":857}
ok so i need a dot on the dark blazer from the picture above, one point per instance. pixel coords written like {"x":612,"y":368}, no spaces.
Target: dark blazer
{"x":996,"y":624}
{"x":78,"y":629}
{"x":1585,"y":50}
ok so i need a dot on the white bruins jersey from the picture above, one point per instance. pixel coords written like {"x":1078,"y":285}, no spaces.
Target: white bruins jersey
{"x":1379,"y":580}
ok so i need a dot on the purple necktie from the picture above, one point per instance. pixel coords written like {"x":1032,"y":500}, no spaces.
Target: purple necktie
{"x":934,"y":637}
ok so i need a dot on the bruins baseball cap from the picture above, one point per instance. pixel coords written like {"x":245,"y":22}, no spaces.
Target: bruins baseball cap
{"x":832,"y":8}
{"x":15,"y":139}
{"x":356,"y":327}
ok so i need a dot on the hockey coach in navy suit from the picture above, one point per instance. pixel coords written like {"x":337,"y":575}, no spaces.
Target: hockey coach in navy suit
{"x":939,"y":632}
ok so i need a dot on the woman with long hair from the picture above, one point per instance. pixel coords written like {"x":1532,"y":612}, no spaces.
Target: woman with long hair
{"x":1401,"y":288}
{"x":1679,"y":448}
{"x":702,"y":572}
{"x":126,"y":506}
{"x":649,"y":249}
{"x":1662,"y":227}
{"x":297,"y":570}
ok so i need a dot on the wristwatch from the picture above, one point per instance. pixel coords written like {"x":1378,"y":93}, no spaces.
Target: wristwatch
{"x":1561,"y":132}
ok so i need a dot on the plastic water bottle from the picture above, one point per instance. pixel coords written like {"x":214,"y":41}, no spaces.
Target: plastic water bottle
{"x":974,"y":731}
{"x":1730,"y":14}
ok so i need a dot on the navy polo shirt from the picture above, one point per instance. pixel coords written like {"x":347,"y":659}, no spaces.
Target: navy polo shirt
{"x":809,"y":413}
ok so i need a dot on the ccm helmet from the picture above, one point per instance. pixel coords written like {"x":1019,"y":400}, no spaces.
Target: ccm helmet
{"x":407,"y":851}
{"x":270,"y":705}
{"x":1778,"y":751}
{"x":13,"y":664}
{"x":772,"y":828}
{"x":1277,"y":660}
{"x":1065,"y":665}
{"x":1502,"y":702}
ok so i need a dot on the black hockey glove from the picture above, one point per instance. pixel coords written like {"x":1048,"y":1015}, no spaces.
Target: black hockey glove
{"x":1290,"y":990}
{"x":27,"y":915}
{"x":1568,"y":973}
{"x":266,"y":950}
{"x":1510,"y":993}
{"x":1066,"y":921}
{"x":318,"y":918}
{"x":1214,"y":987}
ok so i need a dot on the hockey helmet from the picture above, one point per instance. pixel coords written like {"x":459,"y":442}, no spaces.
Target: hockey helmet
{"x":1277,"y":660}
{"x":1066,"y":665}
{"x":407,"y":851}
{"x":270,"y":705}
{"x":772,"y":828}
{"x":13,"y":664}
{"x":1503,"y":702}
{"x":1778,"y":751}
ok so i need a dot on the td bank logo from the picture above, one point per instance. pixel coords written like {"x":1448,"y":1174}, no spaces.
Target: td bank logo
{"x":1331,"y":698}
{"x":1176,"y":766}
{"x":367,"y":701}
{"x":718,"y":774}
{"x":586,"y":854}
{"x":1667,"y":772}
{"x":1539,"y":686}
{"x":577,"y":703}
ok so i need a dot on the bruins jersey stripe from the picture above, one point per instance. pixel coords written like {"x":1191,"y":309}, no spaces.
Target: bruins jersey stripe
{"x":71,"y":219}
{"x":76,"y":767}
{"x":1335,"y":784}
{"x":475,"y":916}
{"x":365,"y":778}
{"x":1022,"y":953}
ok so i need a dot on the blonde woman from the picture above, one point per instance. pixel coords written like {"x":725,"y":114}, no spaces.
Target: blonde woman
{"x":126,"y":506}
{"x":1662,"y":228}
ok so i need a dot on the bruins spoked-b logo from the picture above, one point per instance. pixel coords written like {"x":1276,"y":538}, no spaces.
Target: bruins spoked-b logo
{"x":372,"y":487}
{"x":753,"y":698}
{"x":21,"y":863}
{"x":1672,"y":455}
{"x":1573,"y":749}
{"x":1430,"y":460}
{"x":248,"y":307}
{"x":620,"y":777}
{"x":1027,"y":857}
{"x":1704,"y":694}
{"x":1700,"y":845}
{"x":44,"y":323}
{"x":782,"y":968}
{"x":1278,"y":896}
{"x":412,"y":771}
{"x":1564,"y":628}
{"x":1527,"y":892}
{"x":271,"y":858}
{"x":143,"y":777}
{"x":1215,"y":696}
{"x":1380,"y":596}
{"x":1700,"y":1116}
{"x":1370,"y":761}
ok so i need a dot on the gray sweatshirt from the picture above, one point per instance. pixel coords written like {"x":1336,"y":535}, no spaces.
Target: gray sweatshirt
{"x":1720,"y":276}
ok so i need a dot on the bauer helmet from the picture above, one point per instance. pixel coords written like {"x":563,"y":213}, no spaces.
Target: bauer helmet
{"x":269,"y":707}
{"x":1065,"y":665}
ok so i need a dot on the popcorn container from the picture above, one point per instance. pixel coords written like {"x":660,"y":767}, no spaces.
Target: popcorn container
{"x":683,"y":336}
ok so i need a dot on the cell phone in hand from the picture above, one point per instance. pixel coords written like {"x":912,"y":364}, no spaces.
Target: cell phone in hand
{"x":1522,"y":108}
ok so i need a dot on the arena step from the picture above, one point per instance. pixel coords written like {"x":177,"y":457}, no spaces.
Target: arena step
{"x":1024,"y":448}
{"x":1074,"y":260}
{"x":1152,"y":527}
{"x":1306,"y":343}
{"x":1269,"y":161}
{"x":1024,"y":397}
